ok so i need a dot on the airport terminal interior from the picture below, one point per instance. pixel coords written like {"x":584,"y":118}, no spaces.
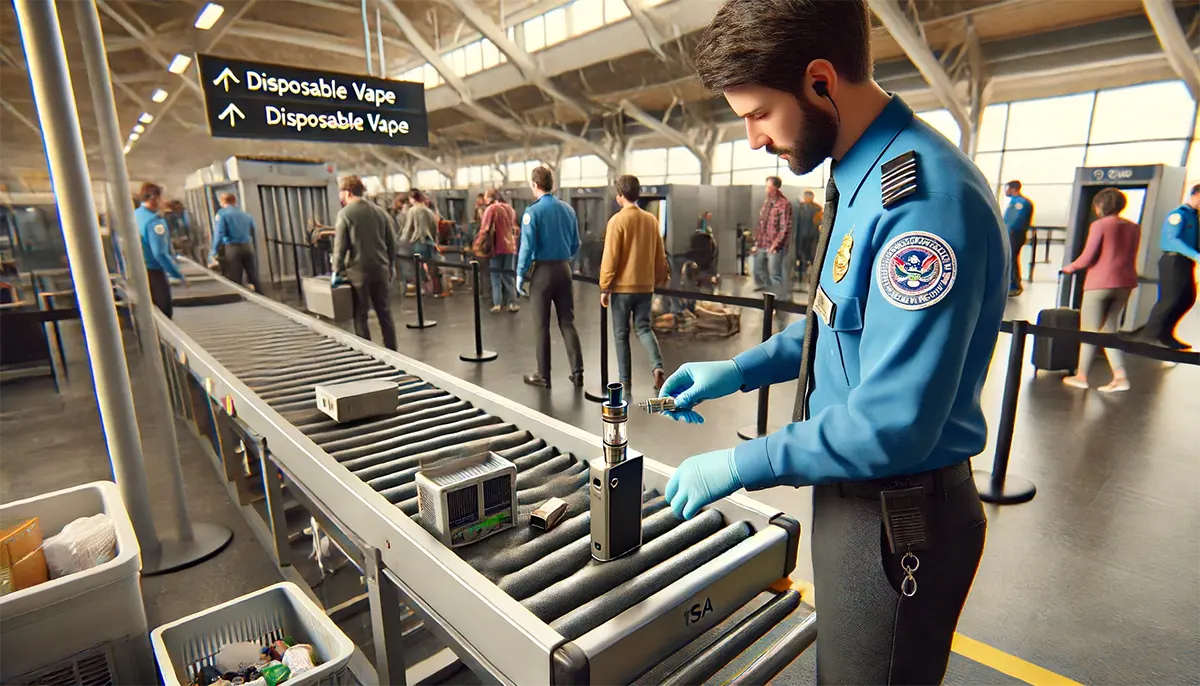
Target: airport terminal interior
{"x":243,"y":488}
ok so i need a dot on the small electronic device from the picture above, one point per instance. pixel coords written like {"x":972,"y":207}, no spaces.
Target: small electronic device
{"x":346,"y":402}
{"x":464,"y":500}
{"x":322,"y":298}
{"x":549,"y":514}
{"x":658,"y":405}
{"x":615,"y":485}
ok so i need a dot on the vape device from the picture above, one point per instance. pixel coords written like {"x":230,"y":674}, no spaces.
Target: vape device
{"x":615,"y":485}
{"x":658,"y":405}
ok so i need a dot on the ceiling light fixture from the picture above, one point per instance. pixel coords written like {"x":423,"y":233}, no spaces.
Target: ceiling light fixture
{"x":134,"y":136}
{"x":209,"y":16}
{"x":139,"y":128}
{"x":146,"y":118}
{"x":159,"y":95}
{"x":179,"y":64}
{"x":127,"y":147}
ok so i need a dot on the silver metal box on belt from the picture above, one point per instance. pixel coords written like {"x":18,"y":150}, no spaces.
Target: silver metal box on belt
{"x":321,"y":298}
{"x":346,"y":402}
{"x":465,"y":500}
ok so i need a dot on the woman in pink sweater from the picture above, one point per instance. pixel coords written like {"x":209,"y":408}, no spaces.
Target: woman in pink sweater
{"x":1108,"y":257}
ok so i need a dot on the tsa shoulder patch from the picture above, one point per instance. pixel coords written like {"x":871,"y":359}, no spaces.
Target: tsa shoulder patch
{"x":898,"y":178}
{"x":1174,"y":219}
{"x":160,"y":229}
{"x":526,"y":219}
{"x":916,"y":270}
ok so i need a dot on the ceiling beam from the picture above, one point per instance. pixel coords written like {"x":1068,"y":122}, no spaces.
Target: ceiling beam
{"x":145,"y":39}
{"x":922,"y":57}
{"x":427,"y":52}
{"x":20,"y":117}
{"x":579,"y":142}
{"x":521,"y":59}
{"x":1161,"y":14}
{"x":649,"y":29}
{"x":670,"y":133}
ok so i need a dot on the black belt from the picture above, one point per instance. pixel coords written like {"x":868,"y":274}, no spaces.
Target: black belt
{"x":935,"y":482}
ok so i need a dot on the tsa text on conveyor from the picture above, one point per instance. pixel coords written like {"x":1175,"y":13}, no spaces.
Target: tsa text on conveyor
{"x":257,"y":100}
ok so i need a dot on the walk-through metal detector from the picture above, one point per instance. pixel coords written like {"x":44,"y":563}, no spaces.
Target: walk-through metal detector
{"x":1151,"y":192}
{"x":284,"y":197}
{"x":593,"y":206}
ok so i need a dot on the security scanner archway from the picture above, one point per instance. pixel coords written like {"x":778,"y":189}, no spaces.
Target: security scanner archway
{"x":593,"y":206}
{"x":1152,"y":191}
{"x":284,"y":197}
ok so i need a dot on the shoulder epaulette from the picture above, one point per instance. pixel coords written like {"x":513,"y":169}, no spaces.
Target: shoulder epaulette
{"x":898,"y":179}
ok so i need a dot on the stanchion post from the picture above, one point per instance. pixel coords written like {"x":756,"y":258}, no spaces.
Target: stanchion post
{"x":601,"y":394}
{"x":480,"y":355}
{"x":421,"y":322}
{"x":759,"y":429}
{"x":997,"y":486}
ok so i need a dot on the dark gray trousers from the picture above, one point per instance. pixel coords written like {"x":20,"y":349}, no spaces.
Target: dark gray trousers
{"x":868,"y":631}
{"x":240,"y":261}
{"x":549,"y":285}
{"x":373,"y":291}
{"x":160,"y":291}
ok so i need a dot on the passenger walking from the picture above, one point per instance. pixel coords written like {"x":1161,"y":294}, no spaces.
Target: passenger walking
{"x":549,"y":241}
{"x":156,"y":248}
{"x":421,"y":233}
{"x":808,"y":228}
{"x":233,"y":243}
{"x":1109,"y":256}
{"x":634,"y":263}
{"x":1180,"y":243}
{"x":498,"y":231}
{"x":364,"y":253}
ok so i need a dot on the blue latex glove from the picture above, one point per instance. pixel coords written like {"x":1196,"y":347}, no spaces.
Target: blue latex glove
{"x":702,"y":480}
{"x":695,"y":382}
{"x":520,"y":285}
{"x":336,"y":280}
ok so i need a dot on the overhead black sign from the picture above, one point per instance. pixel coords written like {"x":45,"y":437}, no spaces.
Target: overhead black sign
{"x":270,"y":101}
{"x":1119,"y":174}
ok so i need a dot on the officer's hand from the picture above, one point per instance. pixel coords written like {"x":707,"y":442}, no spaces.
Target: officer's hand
{"x":336,"y":280}
{"x":702,"y":480}
{"x":214,"y":264}
{"x":696,"y":382}
{"x":520,"y":285}
{"x":177,"y":282}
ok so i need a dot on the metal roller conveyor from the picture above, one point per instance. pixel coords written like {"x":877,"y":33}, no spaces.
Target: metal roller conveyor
{"x":529,"y":606}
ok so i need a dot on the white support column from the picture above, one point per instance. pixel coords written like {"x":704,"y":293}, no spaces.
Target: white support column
{"x":583,"y":144}
{"x":922,"y":57}
{"x":649,"y":29}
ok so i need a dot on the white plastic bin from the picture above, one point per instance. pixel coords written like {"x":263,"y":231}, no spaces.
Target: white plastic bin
{"x":83,"y":615}
{"x":184,"y":646}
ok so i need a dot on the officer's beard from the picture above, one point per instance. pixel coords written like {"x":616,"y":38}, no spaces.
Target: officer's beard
{"x":815,"y":139}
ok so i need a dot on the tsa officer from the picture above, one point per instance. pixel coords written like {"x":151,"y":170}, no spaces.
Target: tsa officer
{"x":1018,"y":217}
{"x":906,"y":299}
{"x":156,"y":248}
{"x":1180,"y":243}
{"x":234,"y":231}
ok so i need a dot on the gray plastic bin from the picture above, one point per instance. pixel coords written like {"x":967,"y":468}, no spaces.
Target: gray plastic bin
{"x":83,"y":624}
{"x":184,"y":646}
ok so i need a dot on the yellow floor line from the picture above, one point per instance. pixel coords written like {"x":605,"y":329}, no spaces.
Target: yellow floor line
{"x":969,"y":648}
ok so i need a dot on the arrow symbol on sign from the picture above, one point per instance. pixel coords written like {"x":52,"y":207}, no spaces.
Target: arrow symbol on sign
{"x":230,"y":112}
{"x":224,"y":77}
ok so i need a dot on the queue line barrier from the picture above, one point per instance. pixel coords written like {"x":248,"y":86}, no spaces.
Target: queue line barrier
{"x":995,"y":486}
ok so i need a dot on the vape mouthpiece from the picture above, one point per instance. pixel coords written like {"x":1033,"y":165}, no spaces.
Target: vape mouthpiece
{"x":616,"y":394}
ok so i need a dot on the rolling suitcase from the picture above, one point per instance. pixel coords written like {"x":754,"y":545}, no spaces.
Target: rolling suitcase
{"x":1056,"y":355}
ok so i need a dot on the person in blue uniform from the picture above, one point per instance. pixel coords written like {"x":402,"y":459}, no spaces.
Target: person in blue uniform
{"x":1180,"y":243}
{"x":549,"y":241}
{"x":233,"y":230}
{"x":1018,"y":218}
{"x":907,"y":292}
{"x":156,"y":248}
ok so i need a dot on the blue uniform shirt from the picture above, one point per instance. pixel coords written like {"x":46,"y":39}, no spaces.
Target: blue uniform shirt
{"x":232,"y":226}
{"x":549,"y":231}
{"x":156,"y":242}
{"x":1181,"y":232}
{"x":1018,"y":216}
{"x":904,"y":349}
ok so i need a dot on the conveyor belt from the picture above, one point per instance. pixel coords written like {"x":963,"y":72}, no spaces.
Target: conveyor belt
{"x":552,"y":574}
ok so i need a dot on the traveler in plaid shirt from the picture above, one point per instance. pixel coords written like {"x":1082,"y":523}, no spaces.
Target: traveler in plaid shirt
{"x":771,"y":239}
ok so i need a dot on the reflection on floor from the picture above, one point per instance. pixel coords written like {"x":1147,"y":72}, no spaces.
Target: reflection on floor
{"x":1098,"y":578}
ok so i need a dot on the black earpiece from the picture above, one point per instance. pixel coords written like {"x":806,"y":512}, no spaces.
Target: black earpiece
{"x":820,"y":89}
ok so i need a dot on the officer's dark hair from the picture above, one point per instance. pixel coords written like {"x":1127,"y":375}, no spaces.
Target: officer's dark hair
{"x":1109,"y":202}
{"x":771,"y":42}
{"x":543,"y":178}
{"x":149,"y":191}
{"x":416,"y":196}
{"x":354,"y":186}
{"x":1014,"y":185}
{"x":629,"y":187}
{"x":775,"y":182}
{"x":1194,"y":191}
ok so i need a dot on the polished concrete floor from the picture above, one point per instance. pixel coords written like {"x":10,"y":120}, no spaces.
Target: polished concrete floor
{"x":1097,"y":579}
